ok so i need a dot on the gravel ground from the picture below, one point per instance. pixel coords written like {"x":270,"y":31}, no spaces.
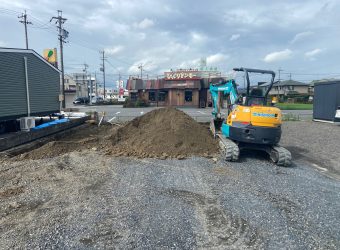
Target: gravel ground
{"x":85,"y":200}
{"x":316,"y":143}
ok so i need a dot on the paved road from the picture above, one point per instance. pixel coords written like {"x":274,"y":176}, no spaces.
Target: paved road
{"x":201,"y":115}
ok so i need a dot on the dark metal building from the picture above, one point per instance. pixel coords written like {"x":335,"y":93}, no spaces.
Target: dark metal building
{"x":29,"y":85}
{"x":326,"y":99}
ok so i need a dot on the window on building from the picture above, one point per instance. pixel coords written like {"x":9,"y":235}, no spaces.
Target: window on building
{"x":152,"y":96}
{"x":188,"y":95}
{"x":161,"y":96}
{"x":133,"y":96}
{"x":290,"y":87}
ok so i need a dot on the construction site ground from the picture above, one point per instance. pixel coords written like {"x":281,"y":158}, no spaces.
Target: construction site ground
{"x":202,"y":115}
{"x":71,"y":193}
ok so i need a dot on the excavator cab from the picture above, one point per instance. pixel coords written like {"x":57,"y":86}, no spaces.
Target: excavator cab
{"x":256,"y":96}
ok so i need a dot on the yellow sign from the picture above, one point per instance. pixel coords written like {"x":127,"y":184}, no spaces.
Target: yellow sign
{"x":50,"y":55}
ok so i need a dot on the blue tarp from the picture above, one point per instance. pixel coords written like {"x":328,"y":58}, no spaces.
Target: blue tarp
{"x":48,"y":124}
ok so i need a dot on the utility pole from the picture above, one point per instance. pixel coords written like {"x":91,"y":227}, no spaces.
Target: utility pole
{"x":244,"y":82}
{"x":290,"y":76}
{"x":25,"y":22}
{"x":279,"y":70}
{"x":141,"y":71}
{"x":85,"y":79}
{"x":91,"y":89}
{"x":95,"y":78}
{"x":279,"y":81}
{"x":63,"y":34}
{"x":103,"y":69}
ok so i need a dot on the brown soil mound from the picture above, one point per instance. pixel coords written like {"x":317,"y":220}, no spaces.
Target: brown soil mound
{"x":165,"y":132}
{"x":88,"y":137}
{"x":55,"y":148}
{"x":161,"y":133}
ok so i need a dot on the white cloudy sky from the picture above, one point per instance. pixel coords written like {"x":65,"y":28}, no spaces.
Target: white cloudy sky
{"x":300,"y":37}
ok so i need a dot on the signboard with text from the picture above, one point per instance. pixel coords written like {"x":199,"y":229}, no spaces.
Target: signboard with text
{"x":182,"y":75}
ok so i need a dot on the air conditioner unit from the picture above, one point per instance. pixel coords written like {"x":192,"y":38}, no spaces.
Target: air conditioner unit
{"x":26,"y":123}
{"x":337,"y":116}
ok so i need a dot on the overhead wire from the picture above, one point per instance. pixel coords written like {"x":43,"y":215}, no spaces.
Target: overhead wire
{"x":48,"y":27}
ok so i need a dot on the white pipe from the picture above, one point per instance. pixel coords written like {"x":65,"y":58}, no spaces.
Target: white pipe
{"x":27,"y":89}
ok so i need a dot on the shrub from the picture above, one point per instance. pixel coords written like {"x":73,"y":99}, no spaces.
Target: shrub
{"x":132,"y":104}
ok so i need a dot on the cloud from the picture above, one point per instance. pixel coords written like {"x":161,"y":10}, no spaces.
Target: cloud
{"x":194,"y":63}
{"x":154,"y":30}
{"x":144,"y":24}
{"x":198,"y":37}
{"x":311,"y":54}
{"x":114,"y":50}
{"x":244,"y":16}
{"x":99,"y":21}
{"x":3,"y":44}
{"x":150,"y":64}
{"x":301,"y":36}
{"x":278,"y":56}
{"x":216,"y":58}
{"x":234,"y":37}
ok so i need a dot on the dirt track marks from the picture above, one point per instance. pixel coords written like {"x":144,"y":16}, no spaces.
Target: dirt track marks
{"x":220,"y":230}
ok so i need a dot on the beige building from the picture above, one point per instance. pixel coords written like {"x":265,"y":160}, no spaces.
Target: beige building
{"x":77,"y":85}
{"x":70,"y":90}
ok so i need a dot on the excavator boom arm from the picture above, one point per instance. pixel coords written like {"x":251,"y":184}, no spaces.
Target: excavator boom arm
{"x":227,"y":88}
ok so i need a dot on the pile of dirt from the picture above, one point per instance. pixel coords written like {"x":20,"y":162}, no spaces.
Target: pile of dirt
{"x":56,"y":148}
{"x":88,"y":137}
{"x":163,"y":133}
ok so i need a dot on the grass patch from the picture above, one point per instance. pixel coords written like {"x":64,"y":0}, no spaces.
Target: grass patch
{"x":295,"y":106}
{"x":290,"y":117}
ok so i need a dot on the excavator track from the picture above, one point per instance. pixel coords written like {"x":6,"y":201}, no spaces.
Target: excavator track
{"x":281,"y":156}
{"x":230,"y":149}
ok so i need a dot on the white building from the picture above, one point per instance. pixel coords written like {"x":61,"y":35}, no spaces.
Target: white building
{"x":83,"y":86}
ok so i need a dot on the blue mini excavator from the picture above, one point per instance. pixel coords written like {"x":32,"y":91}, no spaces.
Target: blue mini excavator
{"x":249,"y":123}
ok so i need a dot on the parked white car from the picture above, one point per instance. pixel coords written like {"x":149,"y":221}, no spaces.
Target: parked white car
{"x":97,"y":100}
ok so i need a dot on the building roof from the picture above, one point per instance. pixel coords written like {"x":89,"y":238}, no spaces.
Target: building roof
{"x":285,"y":83}
{"x":31,"y":51}
{"x":325,"y":81}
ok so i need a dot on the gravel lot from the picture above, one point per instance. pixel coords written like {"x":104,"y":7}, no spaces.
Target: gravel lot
{"x":316,"y":143}
{"x":83,"y":200}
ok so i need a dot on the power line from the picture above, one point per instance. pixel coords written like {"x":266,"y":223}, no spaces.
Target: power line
{"x":311,"y":74}
{"x":42,"y":24}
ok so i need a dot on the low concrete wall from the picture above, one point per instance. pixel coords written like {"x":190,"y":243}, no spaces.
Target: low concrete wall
{"x":16,"y":139}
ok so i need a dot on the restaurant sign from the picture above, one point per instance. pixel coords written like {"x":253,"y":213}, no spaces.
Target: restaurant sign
{"x":181,"y":75}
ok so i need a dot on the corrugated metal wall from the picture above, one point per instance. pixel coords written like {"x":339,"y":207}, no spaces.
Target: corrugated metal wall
{"x":326,"y":100}
{"x":43,"y":80}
